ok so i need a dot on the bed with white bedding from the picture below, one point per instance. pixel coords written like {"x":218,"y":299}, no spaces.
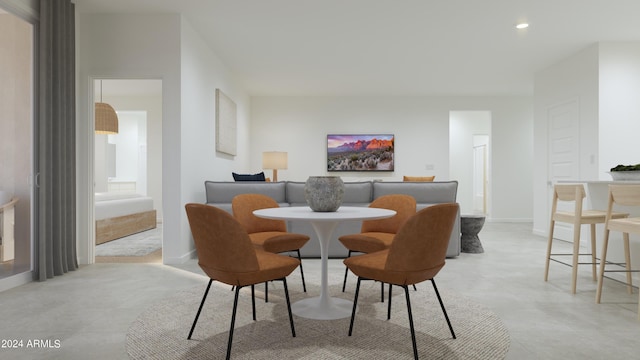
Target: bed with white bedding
{"x":122,"y":214}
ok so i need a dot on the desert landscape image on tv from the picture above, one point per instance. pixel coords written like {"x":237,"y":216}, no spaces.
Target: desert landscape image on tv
{"x":360,"y":152}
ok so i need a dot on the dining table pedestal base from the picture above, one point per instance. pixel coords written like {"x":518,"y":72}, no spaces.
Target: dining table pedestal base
{"x":323,"y":309}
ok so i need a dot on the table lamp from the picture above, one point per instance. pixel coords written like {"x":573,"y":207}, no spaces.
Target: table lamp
{"x":274,"y":160}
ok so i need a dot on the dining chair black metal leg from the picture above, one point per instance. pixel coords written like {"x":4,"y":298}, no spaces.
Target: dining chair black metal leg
{"x":444,"y":311}
{"x":346,"y":271}
{"x":253,"y":301}
{"x":304,"y":286}
{"x":193,"y":326}
{"x":381,"y":291}
{"x":355,"y":304}
{"x":413,"y":332}
{"x":266,"y":291}
{"x":286,"y":295}
{"x":233,"y":321}
{"x":389,"y":305}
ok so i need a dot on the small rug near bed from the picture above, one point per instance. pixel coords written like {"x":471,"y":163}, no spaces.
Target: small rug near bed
{"x":140,"y":244}
{"x":161,"y":331}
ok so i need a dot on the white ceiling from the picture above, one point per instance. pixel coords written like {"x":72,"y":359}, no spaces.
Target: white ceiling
{"x":393,"y":47}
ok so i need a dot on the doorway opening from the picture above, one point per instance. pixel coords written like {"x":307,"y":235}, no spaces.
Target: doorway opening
{"x":128,"y":173}
{"x":469,"y":159}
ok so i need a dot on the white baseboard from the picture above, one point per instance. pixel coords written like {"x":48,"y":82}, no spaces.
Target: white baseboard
{"x":16,"y":280}
{"x":181,"y":259}
{"x":510,"y":220}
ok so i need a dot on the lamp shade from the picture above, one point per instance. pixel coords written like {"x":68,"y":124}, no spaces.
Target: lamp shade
{"x":274,"y":160}
{"x":106,"y":119}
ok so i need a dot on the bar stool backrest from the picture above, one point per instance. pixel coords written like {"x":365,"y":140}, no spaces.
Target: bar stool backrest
{"x":570,"y":192}
{"x":567,"y":193}
{"x":627,"y":195}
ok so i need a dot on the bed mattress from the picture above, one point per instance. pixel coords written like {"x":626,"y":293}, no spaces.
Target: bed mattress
{"x":111,"y":205}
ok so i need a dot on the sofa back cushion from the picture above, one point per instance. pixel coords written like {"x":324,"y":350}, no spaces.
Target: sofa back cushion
{"x":295,"y":193}
{"x":424,"y":192}
{"x":355,"y":193}
{"x":224,"y":191}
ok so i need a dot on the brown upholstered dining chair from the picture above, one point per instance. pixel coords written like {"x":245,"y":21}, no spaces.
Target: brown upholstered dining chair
{"x":225,"y":254}
{"x":376,"y":235}
{"x":267,"y":234}
{"x":416,"y":254}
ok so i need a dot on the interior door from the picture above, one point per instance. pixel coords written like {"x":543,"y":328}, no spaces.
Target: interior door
{"x":563,"y":151}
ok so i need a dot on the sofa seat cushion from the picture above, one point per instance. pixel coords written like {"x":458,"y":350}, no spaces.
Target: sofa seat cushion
{"x":424,"y":193}
{"x":270,"y":266}
{"x":367,"y":242}
{"x":277,"y":242}
{"x":374,"y":266}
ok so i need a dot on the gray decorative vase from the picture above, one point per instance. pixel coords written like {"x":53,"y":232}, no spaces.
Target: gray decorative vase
{"x":324,"y":193}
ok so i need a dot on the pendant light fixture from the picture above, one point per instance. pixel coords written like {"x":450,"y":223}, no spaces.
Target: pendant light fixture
{"x":106,"y":117}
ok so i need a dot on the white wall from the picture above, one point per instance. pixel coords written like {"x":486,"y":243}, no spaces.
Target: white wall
{"x":130,"y":140}
{"x":299,"y":125}
{"x":100,"y":164}
{"x":619,"y":118}
{"x":574,"y":78}
{"x":463,"y":125}
{"x":203,"y":72}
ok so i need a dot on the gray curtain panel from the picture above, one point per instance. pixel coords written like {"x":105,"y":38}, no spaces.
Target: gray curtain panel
{"x":56,"y":153}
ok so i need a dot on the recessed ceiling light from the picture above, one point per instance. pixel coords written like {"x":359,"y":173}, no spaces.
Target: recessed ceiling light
{"x":522,"y":26}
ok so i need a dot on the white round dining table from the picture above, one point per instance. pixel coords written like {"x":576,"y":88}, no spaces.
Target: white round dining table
{"x":324,"y":307}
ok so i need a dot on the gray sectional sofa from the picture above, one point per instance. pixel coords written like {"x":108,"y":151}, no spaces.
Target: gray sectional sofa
{"x":291,"y":193}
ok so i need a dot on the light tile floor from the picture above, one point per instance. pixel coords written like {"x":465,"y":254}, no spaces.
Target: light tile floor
{"x":90,"y":310}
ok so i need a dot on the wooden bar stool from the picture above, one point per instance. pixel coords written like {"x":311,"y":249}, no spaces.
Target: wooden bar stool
{"x":574,"y":193}
{"x":625,"y":195}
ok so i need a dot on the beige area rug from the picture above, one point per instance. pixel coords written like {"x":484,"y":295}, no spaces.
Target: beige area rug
{"x":161,"y":331}
{"x":140,"y":244}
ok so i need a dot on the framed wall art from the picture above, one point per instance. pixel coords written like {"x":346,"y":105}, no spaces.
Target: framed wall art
{"x":358,"y":152}
{"x":226,"y":124}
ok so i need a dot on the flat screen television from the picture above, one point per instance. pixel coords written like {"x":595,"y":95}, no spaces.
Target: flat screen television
{"x":360,"y":152}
